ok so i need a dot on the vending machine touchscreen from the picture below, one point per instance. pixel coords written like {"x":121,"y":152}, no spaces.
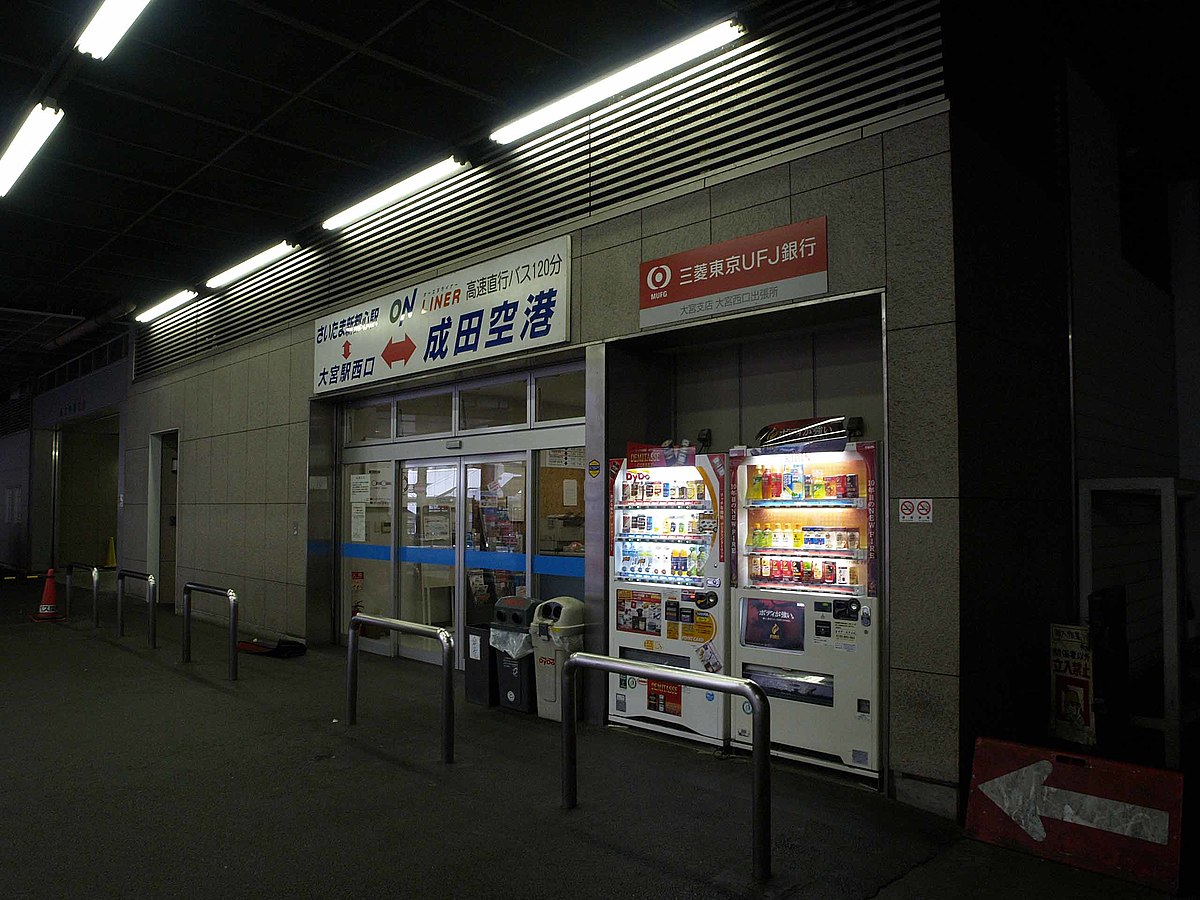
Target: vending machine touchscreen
{"x":669,"y":588}
{"x":807,"y":600}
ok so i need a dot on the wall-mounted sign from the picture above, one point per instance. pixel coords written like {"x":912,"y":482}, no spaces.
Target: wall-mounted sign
{"x":512,"y":304}
{"x":776,"y":266}
{"x":917,"y":510}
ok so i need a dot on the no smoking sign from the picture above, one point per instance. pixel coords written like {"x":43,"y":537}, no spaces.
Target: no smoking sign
{"x":918,"y":510}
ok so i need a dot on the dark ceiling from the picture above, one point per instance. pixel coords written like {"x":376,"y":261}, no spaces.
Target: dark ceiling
{"x":219,"y":127}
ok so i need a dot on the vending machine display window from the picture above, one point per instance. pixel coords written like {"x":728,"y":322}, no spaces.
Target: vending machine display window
{"x":792,"y":684}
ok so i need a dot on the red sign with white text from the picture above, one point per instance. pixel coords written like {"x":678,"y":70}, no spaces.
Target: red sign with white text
{"x":1110,"y":817}
{"x":775,"y":266}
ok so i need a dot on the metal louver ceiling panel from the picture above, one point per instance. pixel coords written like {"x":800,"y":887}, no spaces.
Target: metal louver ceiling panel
{"x":805,"y":72}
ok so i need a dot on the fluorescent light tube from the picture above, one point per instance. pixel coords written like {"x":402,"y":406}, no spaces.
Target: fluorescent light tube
{"x":398,"y":191}
{"x":38,"y":125}
{"x":254,"y":263}
{"x":631,"y":76}
{"x":108,"y":26}
{"x":173,"y":302}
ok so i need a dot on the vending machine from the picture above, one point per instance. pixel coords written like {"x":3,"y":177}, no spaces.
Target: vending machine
{"x":669,"y":587}
{"x":806,"y":598}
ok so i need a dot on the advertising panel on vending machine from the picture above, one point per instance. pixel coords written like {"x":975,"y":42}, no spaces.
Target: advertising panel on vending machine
{"x":669,"y":584}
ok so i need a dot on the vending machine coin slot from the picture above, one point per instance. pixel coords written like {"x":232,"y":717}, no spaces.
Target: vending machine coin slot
{"x":846,"y":610}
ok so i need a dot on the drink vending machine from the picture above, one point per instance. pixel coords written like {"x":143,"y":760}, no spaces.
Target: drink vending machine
{"x":806,"y":597}
{"x":669,"y":587}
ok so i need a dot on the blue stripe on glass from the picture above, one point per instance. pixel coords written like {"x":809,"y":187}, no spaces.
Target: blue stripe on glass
{"x":503,"y":562}
{"x":571,"y":566}
{"x":437,"y":556}
{"x":366,"y":551}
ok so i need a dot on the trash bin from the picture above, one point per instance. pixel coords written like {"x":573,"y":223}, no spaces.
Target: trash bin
{"x":556,"y":632}
{"x":514,"y":653}
{"x":480,"y":666}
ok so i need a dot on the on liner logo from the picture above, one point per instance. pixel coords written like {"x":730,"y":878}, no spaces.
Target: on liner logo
{"x":657,"y":279}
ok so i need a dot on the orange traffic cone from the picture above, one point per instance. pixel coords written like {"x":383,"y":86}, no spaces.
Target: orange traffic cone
{"x":48,"y":611}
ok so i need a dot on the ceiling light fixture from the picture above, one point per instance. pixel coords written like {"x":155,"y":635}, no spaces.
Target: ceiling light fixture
{"x":398,"y":191}
{"x":173,"y":302}
{"x":631,"y":76}
{"x":108,"y":26}
{"x":38,"y":125}
{"x":253,"y":264}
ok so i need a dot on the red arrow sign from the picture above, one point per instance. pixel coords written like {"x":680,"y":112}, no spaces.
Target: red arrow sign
{"x":393,"y":351}
{"x":346,"y":350}
{"x":1092,"y":813}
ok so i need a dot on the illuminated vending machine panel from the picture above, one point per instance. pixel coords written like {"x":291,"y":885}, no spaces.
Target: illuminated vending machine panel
{"x":669,"y":588}
{"x":806,"y":599}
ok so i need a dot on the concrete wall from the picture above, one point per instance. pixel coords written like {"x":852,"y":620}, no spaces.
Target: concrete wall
{"x":1125,"y":407}
{"x":242,"y":419}
{"x":87,"y":495}
{"x":243,"y":414}
{"x":14,"y":489}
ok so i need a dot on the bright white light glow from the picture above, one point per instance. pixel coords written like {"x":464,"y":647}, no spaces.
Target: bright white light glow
{"x":253,"y":264}
{"x":108,"y":26}
{"x":631,"y":76}
{"x":38,"y":125}
{"x":398,"y":191}
{"x":173,"y":302}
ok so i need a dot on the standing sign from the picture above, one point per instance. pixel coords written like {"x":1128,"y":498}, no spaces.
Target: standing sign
{"x":512,"y":304}
{"x":775,"y":266}
{"x":1109,"y":817}
{"x":1071,"y":716}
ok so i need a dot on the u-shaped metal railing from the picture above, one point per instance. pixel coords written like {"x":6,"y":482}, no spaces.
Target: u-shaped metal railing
{"x":71,"y":567}
{"x":194,"y":587}
{"x":760,"y":753}
{"x":151,"y":599}
{"x":415,"y":628}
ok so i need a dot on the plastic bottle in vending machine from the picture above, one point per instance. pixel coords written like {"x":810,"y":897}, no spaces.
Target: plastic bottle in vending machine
{"x":776,"y":482}
{"x":754,"y":479}
{"x":789,"y":540}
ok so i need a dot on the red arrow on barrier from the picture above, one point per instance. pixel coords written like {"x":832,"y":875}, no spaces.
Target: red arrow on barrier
{"x":393,"y":351}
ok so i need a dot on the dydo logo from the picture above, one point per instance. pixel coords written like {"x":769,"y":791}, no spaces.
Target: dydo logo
{"x":657,"y":280}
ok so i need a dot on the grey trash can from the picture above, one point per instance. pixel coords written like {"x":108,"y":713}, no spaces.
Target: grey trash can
{"x":556,"y":632}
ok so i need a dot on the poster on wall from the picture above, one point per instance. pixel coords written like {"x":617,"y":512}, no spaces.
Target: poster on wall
{"x":358,"y":522}
{"x":516,"y":303}
{"x":777,"y":266}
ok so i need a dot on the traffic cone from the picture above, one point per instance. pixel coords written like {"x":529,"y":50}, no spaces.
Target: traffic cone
{"x":48,"y":611}
{"x":110,"y":558}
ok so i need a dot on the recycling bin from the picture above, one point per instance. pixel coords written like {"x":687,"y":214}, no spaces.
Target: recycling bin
{"x":480,"y":666}
{"x":509,"y":634}
{"x":556,"y":631}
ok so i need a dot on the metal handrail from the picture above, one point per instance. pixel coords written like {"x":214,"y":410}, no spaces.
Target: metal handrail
{"x":231,"y":595}
{"x":760,"y":809}
{"x":151,"y":599}
{"x":414,"y":628}
{"x":71,"y":567}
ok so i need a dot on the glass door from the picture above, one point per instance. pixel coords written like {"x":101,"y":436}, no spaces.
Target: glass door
{"x":427,"y":557}
{"x":495,"y":557}
{"x":366,"y":549}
